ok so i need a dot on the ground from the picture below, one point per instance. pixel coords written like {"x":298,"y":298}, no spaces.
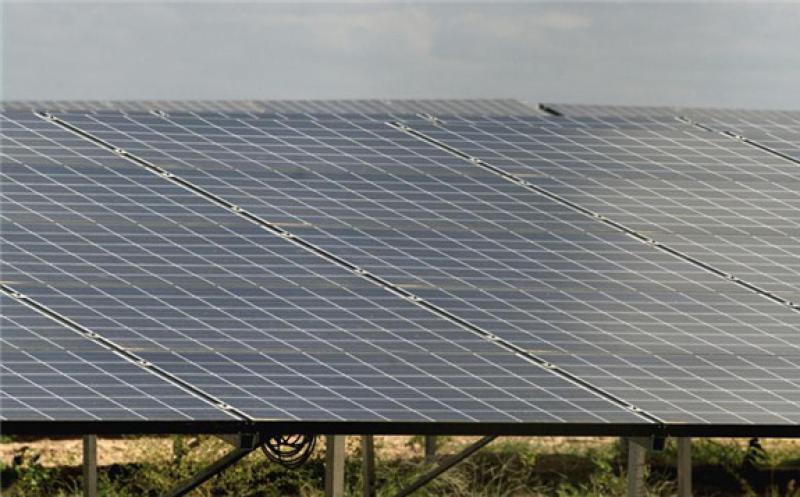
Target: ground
{"x":509,"y":467}
{"x":65,"y":452}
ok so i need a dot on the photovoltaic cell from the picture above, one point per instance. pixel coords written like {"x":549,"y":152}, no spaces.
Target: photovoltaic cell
{"x":511,"y":261}
{"x":242,"y":314}
{"x":49,"y":372}
{"x":724,"y":202}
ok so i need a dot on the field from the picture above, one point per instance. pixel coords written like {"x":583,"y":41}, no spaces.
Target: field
{"x":509,"y":467}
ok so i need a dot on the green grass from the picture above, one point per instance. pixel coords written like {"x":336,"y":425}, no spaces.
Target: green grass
{"x":506,"y":468}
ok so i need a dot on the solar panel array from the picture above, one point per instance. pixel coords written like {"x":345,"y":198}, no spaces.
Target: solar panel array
{"x":451,"y":107}
{"x":240,"y":313}
{"x":380,"y":262}
{"x":240,"y":106}
{"x":713,"y":198}
{"x":668,"y":112}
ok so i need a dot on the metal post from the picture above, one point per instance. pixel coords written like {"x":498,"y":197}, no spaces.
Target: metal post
{"x":430,"y":448}
{"x":637,"y":451}
{"x":368,"y":464}
{"x":90,"y":466}
{"x":684,"y":467}
{"x":334,"y":465}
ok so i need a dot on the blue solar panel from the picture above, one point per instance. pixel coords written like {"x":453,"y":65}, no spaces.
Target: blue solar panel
{"x":531,"y":270}
{"x":781,"y":139}
{"x":733,"y":117}
{"x":702,"y":114}
{"x":601,"y":111}
{"x":51,"y":373}
{"x":242,"y":314}
{"x":453,"y":108}
{"x":726,"y":203}
{"x":466,"y":107}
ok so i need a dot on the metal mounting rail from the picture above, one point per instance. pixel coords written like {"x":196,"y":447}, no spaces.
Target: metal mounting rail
{"x":375,"y":279}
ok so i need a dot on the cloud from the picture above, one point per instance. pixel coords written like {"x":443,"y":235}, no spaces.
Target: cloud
{"x":701,"y":54}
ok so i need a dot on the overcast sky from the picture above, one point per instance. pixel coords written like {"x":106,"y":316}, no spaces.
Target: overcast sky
{"x":725,"y":54}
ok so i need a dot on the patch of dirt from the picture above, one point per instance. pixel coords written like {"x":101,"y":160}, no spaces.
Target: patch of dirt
{"x":109,"y":450}
{"x":69,"y":452}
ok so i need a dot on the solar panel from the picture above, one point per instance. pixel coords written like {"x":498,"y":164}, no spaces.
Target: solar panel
{"x":723,"y":202}
{"x":372,"y":109}
{"x":742,"y":116}
{"x":593,"y":110}
{"x":467,"y":107}
{"x":247,"y":316}
{"x":49,"y":372}
{"x":782,"y":139}
{"x":308,"y":107}
{"x":532,"y":271}
{"x":646,"y":122}
{"x":241,"y":106}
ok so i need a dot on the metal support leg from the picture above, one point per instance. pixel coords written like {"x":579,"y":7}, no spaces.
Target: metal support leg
{"x":334,"y":465}
{"x":214,"y":469}
{"x":444,"y":465}
{"x":637,"y":451}
{"x":684,"y":467}
{"x":90,"y":466}
{"x":368,"y":464}
{"x":430,"y":448}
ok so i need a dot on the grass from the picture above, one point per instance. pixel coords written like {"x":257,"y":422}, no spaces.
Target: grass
{"x":506,"y":468}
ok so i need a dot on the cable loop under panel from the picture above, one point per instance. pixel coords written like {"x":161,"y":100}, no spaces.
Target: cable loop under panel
{"x":290,"y":451}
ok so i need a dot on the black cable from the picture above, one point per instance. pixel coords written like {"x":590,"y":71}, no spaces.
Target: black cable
{"x":290,"y":451}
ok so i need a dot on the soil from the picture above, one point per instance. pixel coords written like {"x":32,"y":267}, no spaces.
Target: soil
{"x":68,"y":452}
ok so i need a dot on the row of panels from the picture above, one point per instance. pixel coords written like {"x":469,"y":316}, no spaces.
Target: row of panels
{"x":700,"y":114}
{"x":722,"y":201}
{"x":496,"y":108}
{"x":376,"y":107}
{"x":643,"y":325}
{"x":470,"y":242}
{"x":238,"y":312}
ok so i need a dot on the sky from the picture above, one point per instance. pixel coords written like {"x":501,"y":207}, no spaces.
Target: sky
{"x":709,"y":54}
